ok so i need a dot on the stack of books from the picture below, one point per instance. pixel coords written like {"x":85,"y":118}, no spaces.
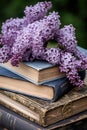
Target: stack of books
{"x":36,"y":95}
{"x":37,"y":78}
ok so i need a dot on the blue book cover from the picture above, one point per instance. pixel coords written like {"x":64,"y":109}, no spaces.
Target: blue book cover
{"x":38,"y":65}
{"x":83,"y":50}
{"x":37,"y":72}
{"x":7,"y":73}
{"x":59,"y":86}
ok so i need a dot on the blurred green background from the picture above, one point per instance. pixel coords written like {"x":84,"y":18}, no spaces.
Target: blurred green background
{"x":71,"y":12}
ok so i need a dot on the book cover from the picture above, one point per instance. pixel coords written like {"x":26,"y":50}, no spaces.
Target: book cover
{"x":83,"y":50}
{"x":43,"y":112}
{"x":15,"y":83}
{"x":37,"y":72}
{"x":12,"y":121}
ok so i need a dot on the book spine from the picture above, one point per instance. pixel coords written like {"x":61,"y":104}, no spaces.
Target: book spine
{"x":23,"y":100}
{"x":12,"y":122}
{"x":65,"y":86}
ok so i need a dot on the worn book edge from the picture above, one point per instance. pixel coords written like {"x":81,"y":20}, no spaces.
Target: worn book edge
{"x":56,"y":88}
{"x":69,"y":105}
{"x":20,"y":121}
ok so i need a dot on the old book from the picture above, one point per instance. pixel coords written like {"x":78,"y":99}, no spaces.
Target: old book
{"x":14,"y":83}
{"x":43,"y":112}
{"x":10,"y":120}
{"x":37,"y":71}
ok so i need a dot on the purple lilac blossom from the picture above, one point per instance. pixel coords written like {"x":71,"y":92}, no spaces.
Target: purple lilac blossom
{"x":15,"y":24}
{"x":11,"y":27}
{"x":66,"y":38}
{"x":81,"y":56}
{"x":71,"y":66}
{"x":37,"y":12}
{"x":5,"y":53}
{"x":25,"y":39}
{"x":52,"y":55}
{"x":35,"y":35}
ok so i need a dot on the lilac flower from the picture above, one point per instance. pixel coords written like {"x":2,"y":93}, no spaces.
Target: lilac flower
{"x":81,"y":56}
{"x":10,"y":30}
{"x":66,"y":38}
{"x":52,"y":55}
{"x":11,"y":27}
{"x":26,"y":39}
{"x":37,"y":12}
{"x":71,"y":66}
{"x":35,"y":35}
{"x":4,"y":53}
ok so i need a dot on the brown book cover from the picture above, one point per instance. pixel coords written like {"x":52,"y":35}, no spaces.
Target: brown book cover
{"x":43,"y":112}
{"x":13,"y":121}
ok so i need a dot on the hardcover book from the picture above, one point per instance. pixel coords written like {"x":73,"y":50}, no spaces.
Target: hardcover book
{"x":10,"y":120}
{"x":43,"y":112}
{"x":37,"y":72}
{"x":12,"y":82}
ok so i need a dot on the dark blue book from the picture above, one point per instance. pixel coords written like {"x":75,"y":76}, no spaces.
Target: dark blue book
{"x":10,"y":120}
{"x":52,"y":90}
{"x":37,"y":72}
{"x":10,"y":81}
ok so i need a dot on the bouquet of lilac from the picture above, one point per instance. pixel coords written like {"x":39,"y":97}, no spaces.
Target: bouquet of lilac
{"x":26,"y":39}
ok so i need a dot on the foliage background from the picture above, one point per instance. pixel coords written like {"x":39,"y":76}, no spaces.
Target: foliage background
{"x":71,"y":12}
